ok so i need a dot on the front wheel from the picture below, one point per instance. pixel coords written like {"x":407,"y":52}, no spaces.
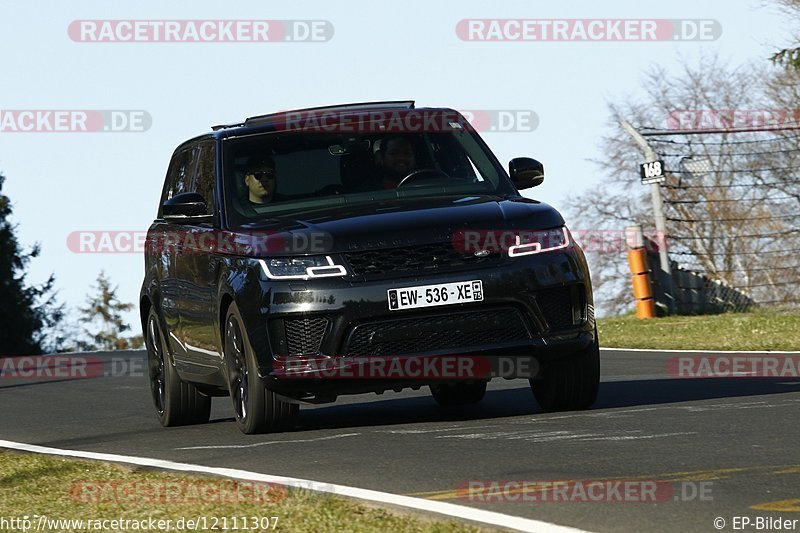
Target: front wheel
{"x":571,"y":384}
{"x":256,"y":408}
{"x":177,"y":402}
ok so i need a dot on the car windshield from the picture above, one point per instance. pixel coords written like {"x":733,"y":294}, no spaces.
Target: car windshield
{"x":282,"y":173}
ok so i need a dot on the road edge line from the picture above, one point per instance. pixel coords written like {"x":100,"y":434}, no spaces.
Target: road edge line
{"x":751,"y":352}
{"x":448,"y":509}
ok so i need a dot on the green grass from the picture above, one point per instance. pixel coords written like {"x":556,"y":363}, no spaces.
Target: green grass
{"x":772,"y":329}
{"x":55,"y":487}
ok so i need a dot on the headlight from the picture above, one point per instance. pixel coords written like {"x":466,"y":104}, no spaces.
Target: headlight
{"x":302,"y":268}
{"x":535,"y":242}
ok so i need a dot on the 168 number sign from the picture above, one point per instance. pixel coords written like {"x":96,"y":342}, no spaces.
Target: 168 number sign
{"x":652,"y":172}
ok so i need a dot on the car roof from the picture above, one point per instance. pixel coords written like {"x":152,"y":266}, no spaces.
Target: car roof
{"x":278,"y":121}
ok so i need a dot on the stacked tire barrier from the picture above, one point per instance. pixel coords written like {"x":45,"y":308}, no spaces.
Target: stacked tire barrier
{"x":697,"y":294}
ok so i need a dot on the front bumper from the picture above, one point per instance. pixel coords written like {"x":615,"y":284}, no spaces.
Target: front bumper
{"x":549,"y":294}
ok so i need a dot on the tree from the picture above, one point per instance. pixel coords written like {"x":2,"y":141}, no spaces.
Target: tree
{"x":789,"y":57}
{"x":28,"y":312}
{"x":722,"y":220}
{"x":104,"y":325}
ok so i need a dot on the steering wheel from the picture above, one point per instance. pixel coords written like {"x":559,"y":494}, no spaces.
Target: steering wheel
{"x":417,"y":174}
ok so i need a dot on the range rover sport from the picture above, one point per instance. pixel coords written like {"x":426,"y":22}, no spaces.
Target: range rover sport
{"x":291,"y":248}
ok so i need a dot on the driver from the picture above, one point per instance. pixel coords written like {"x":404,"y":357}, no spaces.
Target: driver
{"x":260,"y":180}
{"x":396,"y":160}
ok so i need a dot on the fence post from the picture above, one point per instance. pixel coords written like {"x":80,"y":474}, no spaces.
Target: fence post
{"x":664,"y":272}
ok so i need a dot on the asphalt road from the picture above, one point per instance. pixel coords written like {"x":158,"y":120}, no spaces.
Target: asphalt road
{"x":733,"y":439}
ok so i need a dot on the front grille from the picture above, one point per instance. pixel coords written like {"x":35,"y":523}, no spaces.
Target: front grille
{"x":304,"y":335}
{"x":427,"y":258}
{"x":417,"y":335}
{"x":562,"y":307}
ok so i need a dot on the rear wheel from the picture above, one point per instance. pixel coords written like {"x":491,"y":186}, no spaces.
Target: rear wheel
{"x":448,"y":395}
{"x":177,"y":402}
{"x":256,"y":408}
{"x":571,"y":384}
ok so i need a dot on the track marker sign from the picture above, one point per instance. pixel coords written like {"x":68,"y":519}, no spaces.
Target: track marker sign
{"x":652,"y":172}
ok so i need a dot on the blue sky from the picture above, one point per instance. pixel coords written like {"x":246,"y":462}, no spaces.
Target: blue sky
{"x":65,"y":182}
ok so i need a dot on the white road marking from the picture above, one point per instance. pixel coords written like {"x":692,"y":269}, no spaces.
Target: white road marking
{"x":640,"y":437}
{"x":257,"y":444}
{"x":645,"y":377}
{"x":448,"y":509}
{"x":654,"y":351}
{"x":720,"y":407}
{"x":422,"y":431}
{"x":545,"y":418}
{"x":536,"y":436}
{"x":701,"y":407}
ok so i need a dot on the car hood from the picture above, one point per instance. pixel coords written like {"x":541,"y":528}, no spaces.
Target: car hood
{"x":401,"y":223}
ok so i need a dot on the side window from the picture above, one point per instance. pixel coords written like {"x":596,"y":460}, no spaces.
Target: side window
{"x":181,"y":168}
{"x":205,"y":177}
{"x":184,"y":171}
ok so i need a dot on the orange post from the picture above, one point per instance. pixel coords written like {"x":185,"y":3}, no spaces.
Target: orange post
{"x":642,"y":290}
{"x":640,"y":270}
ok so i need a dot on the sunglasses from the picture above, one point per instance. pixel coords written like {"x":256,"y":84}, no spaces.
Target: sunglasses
{"x":264,"y":174}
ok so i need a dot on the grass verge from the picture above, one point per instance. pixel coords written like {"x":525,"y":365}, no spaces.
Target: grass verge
{"x":769,"y":329}
{"x":64,"y":489}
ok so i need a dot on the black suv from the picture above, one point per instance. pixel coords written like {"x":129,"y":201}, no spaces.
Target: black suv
{"x":358,"y":248}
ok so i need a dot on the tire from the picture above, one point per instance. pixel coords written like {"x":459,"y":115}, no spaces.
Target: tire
{"x":177,"y":402}
{"x":571,"y":384}
{"x":256,"y":408}
{"x":449,"y":395}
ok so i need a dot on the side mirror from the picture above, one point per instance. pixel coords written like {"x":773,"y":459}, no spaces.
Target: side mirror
{"x":186,"y":206}
{"x":526,"y":172}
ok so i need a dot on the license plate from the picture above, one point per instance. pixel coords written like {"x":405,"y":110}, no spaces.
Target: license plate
{"x":435,"y":295}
